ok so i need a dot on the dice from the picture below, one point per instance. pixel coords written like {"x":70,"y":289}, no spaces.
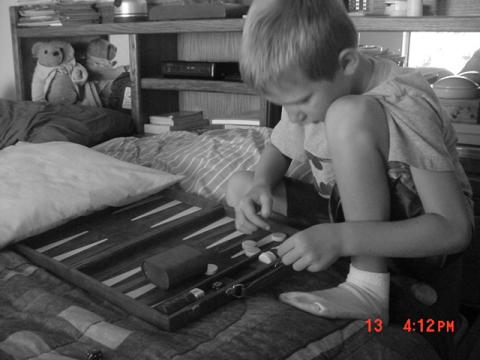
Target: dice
{"x":94,"y":355}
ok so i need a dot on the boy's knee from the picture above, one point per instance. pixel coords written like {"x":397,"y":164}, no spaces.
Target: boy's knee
{"x":237,"y":185}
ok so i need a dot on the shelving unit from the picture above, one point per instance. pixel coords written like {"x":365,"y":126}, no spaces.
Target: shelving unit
{"x":196,"y":40}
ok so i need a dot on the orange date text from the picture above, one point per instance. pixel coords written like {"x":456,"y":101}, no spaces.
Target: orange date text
{"x":429,"y":326}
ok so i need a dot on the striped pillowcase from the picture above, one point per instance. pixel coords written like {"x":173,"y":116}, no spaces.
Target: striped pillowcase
{"x":206,"y":160}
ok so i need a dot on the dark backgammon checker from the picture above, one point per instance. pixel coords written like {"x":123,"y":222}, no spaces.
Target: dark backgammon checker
{"x":168,"y":259}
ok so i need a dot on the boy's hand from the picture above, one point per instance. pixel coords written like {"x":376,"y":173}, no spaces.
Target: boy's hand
{"x":314,"y":249}
{"x":247,"y":217}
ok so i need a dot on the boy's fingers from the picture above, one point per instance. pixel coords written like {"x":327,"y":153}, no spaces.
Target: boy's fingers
{"x":253,"y":217}
{"x":301,"y":264}
{"x":242,"y":224}
{"x":290,"y":257}
{"x":266,"y":206}
{"x":285,"y":247}
{"x":315,"y":267}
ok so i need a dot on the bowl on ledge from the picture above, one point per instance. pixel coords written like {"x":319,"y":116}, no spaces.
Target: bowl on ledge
{"x":472,"y":75}
{"x":456,"y":87}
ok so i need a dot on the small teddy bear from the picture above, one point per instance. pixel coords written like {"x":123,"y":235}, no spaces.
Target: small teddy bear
{"x":57,"y":76}
{"x":101,"y":67}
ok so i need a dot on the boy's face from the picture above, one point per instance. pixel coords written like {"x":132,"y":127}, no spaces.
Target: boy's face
{"x":304,"y":100}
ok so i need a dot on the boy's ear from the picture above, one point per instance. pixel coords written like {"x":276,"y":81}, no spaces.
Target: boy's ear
{"x":348,"y":59}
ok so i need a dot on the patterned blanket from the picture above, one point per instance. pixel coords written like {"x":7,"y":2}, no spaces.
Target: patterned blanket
{"x":42,"y":317}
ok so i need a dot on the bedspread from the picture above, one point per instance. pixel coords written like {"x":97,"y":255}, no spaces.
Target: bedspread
{"x":42,"y":317}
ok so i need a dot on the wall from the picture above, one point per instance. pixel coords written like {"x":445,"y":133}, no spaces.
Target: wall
{"x":391,"y":40}
{"x":7,"y":84}
{"x":121,"y":42}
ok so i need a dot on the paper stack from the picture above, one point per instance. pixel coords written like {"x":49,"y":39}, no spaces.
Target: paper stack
{"x":38,"y":15}
{"x":77,"y":13}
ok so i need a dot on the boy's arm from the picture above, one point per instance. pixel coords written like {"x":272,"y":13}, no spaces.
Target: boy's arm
{"x":445,"y":228}
{"x":271,"y":167}
{"x":358,"y":141}
{"x":361,"y":175}
{"x":269,"y":171}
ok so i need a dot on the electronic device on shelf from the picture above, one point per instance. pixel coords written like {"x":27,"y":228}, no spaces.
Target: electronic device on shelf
{"x":201,"y":70}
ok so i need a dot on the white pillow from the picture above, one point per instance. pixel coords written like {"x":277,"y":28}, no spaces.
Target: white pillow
{"x":45,"y":185}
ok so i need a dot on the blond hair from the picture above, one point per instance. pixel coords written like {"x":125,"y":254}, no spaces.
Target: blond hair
{"x":280,"y":35}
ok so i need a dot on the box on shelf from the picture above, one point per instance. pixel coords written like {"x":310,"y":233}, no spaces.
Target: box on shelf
{"x":179,"y":10}
{"x":462,"y":110}
{"x":468,"y":134}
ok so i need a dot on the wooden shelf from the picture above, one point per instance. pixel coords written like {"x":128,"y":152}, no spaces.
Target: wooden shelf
{"x":145,"y":27}
{"x":196,"y":85}
{"x":362,"y":23}
{"x":423,"y":23}
{"x":151,"y":42}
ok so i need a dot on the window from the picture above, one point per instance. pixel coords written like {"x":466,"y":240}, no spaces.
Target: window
{"x":442,"y":49}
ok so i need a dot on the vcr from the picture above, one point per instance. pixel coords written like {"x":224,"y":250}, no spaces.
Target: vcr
{"x":201,"y":70}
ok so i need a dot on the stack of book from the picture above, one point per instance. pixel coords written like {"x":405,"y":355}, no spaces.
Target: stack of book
{"x":179,"y":120}
{"x":33,"y":14}
{"x":242,"y":120}
{"x":73,"y":12}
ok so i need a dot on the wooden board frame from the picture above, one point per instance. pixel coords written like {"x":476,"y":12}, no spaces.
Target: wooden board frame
{"x":230,"y":281}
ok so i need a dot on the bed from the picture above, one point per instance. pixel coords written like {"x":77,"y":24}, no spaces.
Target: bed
{"x":44,"y":317}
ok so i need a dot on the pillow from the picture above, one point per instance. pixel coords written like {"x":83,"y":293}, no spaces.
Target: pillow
{"x":41,"y":122}
{"x":45,"y":185}
{"x":206,"y":160}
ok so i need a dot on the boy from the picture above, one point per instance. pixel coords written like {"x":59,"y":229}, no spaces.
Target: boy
{"x":374,"y":134}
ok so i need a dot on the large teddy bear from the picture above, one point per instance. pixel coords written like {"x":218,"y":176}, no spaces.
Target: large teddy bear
{"x":102,"y":68}
{"x":57,"y":77}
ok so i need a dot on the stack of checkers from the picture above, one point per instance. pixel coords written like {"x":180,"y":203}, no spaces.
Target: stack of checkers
{"x":252,"y":248}
{"x":211,"y":269}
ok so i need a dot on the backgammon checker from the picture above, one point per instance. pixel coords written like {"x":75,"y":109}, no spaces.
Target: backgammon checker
{"x":105,"y":254}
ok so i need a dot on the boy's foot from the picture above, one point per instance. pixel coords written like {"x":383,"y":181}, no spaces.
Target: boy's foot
{"x":364,"y":295}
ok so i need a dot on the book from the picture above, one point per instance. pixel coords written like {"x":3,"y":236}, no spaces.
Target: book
{"x":238,"y":126}
{"x":191,"y":125}
{"x":25,"y":22}
{"x":155,"y":129}
{"x":176,"y":118}
{"x":247,"y":118}
{"x":239,"y":122}
{"x":162,"y":128}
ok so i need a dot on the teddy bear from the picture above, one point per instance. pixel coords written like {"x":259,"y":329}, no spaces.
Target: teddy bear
{"x":102,"y":68}
{"x":57,"y":77}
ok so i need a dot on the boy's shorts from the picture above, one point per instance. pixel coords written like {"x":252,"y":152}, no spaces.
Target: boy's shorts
{"x":304,"y":206}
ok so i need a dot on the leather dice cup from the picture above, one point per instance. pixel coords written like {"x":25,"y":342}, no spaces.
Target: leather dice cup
{"x":174,"y":266}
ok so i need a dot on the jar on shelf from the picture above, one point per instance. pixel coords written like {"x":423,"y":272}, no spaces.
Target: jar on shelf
{"x":396,"y":7}
{"x":414,"y":7}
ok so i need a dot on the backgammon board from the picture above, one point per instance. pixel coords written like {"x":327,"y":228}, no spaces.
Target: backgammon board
{"x":104,"y":253}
